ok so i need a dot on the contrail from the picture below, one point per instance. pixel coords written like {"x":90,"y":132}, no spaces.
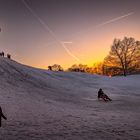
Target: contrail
{"x":47,"y":28}
{"x":69,"y":52}
{"x":106,"y":22}
{"x":115,"y":19}
{"x":67,"y":42}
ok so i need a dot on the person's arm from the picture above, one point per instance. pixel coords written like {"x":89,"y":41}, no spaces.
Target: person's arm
{"x":3,"y":116}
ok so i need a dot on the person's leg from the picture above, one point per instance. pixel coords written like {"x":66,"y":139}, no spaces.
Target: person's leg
{"x":108,"y":98}
{"x":0,"y":121}
{"x":104,"y":97}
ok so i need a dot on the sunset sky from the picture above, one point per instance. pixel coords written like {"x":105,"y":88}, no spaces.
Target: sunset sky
{"x":45,"y":32}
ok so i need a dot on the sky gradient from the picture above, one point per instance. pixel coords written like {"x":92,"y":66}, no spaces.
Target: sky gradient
{"x":45,"y":32}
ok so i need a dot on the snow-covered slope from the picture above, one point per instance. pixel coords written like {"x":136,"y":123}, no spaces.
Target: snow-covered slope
{"x":44,"y":105}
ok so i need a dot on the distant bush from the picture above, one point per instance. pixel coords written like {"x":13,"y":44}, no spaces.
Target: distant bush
{"x":78,"y":68}
{"x":55,"y":67}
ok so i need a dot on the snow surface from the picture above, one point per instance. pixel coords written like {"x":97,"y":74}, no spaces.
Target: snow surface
{"x":47,"y":105}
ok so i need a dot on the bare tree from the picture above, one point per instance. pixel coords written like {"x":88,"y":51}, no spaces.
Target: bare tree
{"x":78,"y":68}
{"x":97,"y":68}
{"x":124,"y":54}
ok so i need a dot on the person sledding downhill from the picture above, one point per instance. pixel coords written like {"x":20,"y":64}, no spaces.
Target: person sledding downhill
{"x":102,"y":95}
{"x":2,"y":116}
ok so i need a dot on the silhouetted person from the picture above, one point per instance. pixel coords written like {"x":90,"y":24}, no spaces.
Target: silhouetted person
{"x":2,"y":116}
{"x":103,"y":96}
{"x":8,"y":56}
{"x":2,"y":54}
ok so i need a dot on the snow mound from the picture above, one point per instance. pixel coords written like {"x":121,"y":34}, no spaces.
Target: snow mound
{"x":41,"y":104}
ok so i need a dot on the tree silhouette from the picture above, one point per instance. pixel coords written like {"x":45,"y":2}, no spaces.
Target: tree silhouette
{"x":55,"y":67}
{"x":49,"y":67}
{"x":124,"y":54}
{"x":78,"y":68}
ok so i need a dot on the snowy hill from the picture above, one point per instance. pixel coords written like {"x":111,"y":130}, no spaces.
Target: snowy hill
{"x":46,"y":105}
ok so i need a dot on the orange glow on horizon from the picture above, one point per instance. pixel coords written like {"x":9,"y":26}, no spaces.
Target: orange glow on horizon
{"x":94,"y":53}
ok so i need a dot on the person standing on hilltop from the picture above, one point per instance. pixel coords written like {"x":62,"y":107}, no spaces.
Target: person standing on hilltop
{"x":2,"y":54}
{"x":8,"y":56}
{"x":1,"y":116}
